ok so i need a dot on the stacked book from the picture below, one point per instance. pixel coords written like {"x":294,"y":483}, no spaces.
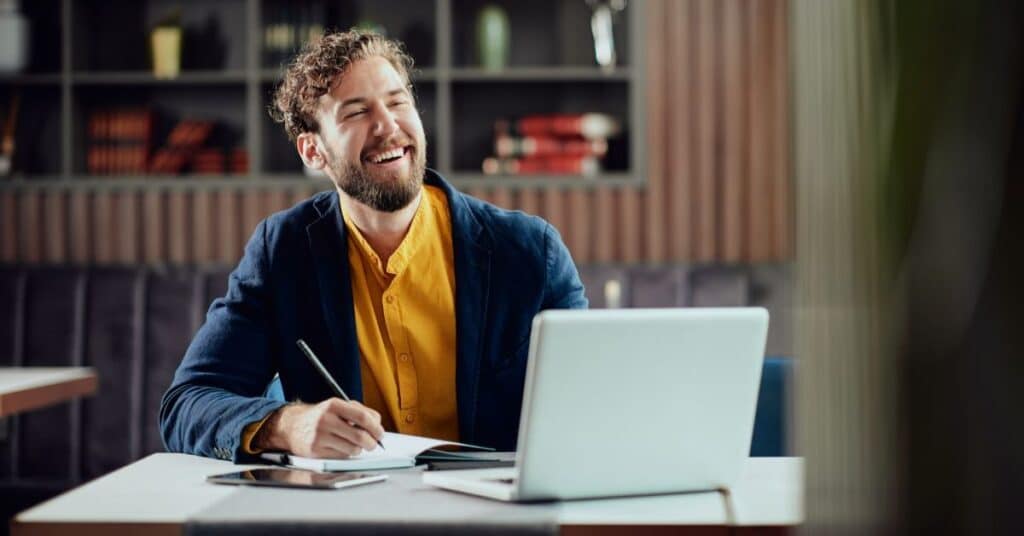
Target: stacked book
{"x":239,"y":161}
{"x":183,"y":143}
{"x":215,"y":161}
{"x":551,"y":144}
{"x":118,"y":141}
{"x":209,"y":161}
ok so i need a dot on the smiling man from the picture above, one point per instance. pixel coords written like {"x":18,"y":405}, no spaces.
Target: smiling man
{"x":417,"y":298}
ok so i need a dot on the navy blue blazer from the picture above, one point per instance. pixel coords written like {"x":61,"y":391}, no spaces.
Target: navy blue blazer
{"x":293,"y":282}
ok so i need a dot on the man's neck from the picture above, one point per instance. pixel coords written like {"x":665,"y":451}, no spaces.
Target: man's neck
{"x":383,"y":230}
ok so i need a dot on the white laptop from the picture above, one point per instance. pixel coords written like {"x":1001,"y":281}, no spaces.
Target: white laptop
{"x":630,"y":402}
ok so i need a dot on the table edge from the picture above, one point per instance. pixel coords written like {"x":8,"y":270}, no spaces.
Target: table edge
{"x":40,"y":396}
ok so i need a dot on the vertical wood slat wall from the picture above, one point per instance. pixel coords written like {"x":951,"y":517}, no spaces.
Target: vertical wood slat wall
{"x":719,"y":178}
{"x":718,"y":174}
{"x":131,"y":226}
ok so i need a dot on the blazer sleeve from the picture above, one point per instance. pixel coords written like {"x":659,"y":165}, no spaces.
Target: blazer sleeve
{"x":217,"y":390}
{"x":563,"y":288}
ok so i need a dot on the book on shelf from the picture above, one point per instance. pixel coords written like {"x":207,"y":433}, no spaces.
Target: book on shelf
{"x":182,"y":143}
{"x":289,"y":26}
{"x":239,"y":161}
{"x":208,"y":161}
{"x":7,"y":127}
{"x":543,"y":165}
{"x":519,"y":146}
{"x":115,"y":160}
{"x":119,"y":141}
{"x":551,"y":144}
{"x":588,"y":125}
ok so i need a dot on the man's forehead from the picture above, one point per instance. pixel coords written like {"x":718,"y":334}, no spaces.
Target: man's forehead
{"x":366,"y":78}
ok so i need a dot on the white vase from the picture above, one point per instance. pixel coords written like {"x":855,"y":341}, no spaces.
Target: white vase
{"x":13,"y":38}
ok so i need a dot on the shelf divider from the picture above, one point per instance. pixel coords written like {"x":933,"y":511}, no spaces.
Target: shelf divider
{"x":66,"y":113}
{"x":253,"y":88}
{"x":442,"y":18}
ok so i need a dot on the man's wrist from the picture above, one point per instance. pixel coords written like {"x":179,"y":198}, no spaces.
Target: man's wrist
{"x":271,"y":436}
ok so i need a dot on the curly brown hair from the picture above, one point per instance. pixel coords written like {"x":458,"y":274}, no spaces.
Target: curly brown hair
{"x":315,"y":69}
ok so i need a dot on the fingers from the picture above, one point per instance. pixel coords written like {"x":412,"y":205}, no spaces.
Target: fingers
{"x":314,"y":431}
{"x":372,"y":411}
{"x":331,"y":445}
{"x":360,"y":415}
{"x":356,"y":436}
{"x":333,"y":428}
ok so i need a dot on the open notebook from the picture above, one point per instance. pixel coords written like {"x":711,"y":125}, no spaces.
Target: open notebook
{"x":400,"y":450}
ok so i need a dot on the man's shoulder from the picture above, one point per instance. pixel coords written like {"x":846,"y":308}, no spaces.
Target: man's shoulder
{"x":508,"y":228}
{"x":299,"y":216}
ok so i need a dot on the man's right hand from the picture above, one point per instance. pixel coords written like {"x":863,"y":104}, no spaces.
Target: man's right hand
{"x":324,"y":430}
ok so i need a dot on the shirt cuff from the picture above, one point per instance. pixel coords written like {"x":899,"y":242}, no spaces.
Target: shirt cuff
{"x":249,"y":433}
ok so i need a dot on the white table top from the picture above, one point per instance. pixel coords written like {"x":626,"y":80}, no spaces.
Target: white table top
{"x":770,"y":493}
{"x":27,"y":388}
{"x":170,"y":489}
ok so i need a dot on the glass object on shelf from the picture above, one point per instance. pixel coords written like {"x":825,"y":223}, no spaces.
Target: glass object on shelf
{"x":165,"y":42}
{"x":601,"y":27}
{"x":13,"y":37}
{"x":492,"y":37}
{"x":290,"y":26}
{"x":204,"y":45}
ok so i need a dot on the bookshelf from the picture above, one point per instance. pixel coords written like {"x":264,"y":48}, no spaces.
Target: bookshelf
{"x":229,"y":69}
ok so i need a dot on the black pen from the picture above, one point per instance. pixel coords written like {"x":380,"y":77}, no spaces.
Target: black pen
{"x":327,"y":376}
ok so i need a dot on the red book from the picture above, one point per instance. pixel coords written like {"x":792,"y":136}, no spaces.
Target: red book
{"x":239,"y":160}
{"x":587,"y":125}
{"x":543,"y":165}
{"x":119,"y":141}
{"x":513,"y":146}
{"x":185,"y":138}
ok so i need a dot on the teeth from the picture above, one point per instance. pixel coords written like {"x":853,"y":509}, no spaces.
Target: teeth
{"x":393,"y":153}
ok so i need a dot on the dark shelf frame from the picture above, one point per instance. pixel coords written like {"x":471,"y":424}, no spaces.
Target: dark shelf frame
{"x":255,"y":77}
{"x":185,"y":78}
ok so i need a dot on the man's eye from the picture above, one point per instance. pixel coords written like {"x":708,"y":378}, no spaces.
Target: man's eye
{"x":355,"y":114}
{"x":397,"y":103}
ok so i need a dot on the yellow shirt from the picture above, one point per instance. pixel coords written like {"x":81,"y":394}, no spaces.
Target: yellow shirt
{"x":405,"y":323}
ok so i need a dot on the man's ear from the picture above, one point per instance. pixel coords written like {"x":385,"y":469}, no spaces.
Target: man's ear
{"x":308,"y":145}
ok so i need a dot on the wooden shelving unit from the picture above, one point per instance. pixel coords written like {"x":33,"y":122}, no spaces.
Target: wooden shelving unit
{"x":459,"y":101}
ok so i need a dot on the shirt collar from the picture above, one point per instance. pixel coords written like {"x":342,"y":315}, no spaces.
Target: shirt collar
{"x":420,"y":229}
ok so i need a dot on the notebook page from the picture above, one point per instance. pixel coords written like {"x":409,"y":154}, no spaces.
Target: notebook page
{"x":400,"y":450}
{"x":407,"y":445}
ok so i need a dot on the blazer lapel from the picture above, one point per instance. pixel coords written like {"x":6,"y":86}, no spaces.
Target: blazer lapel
{"x":328,"y":247}
{"x":471,"y":247}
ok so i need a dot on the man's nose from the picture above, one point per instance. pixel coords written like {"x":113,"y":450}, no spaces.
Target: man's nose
{"x":385,"y":123}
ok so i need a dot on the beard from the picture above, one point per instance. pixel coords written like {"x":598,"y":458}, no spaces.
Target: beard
{"x":383,"y":195}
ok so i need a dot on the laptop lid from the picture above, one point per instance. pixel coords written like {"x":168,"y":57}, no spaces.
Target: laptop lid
{"x":638,"y":401}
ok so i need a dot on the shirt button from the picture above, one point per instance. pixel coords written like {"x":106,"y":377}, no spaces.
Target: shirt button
{"x":389,"y":299}
{"x":404,"y":357}
{"x":409,"y":417}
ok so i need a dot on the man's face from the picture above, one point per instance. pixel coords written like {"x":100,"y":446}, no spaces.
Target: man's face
{"x":373,"y":137}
